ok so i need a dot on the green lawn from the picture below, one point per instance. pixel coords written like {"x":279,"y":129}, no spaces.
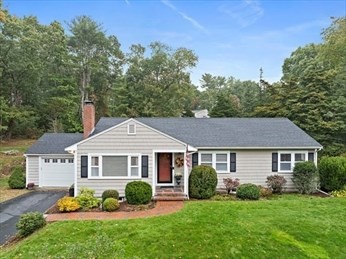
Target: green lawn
{"x":289,"y":226}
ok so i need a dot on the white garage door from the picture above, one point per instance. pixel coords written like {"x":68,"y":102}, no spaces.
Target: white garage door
{"x":57,"y":172}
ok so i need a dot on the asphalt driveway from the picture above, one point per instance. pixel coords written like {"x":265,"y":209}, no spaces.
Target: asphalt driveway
{"x":11,"y":210}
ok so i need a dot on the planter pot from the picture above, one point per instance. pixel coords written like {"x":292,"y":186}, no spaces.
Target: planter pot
{"x":178,"y":180}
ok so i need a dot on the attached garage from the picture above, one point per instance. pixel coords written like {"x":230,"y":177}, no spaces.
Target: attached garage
{"x":47,"y":162}
{"x":56,"y":171}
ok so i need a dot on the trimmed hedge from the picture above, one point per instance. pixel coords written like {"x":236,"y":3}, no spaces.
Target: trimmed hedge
{"x":138,"y":192}
{"x":248,"y":191}
{"x":332,"y":171}
{"x":17,"y":178}
{"x":110,"y":204}
{"x":110,"y":194}
{"x":305,"y":177}
{"x":29,"y":223}
{"x":202,"y":182}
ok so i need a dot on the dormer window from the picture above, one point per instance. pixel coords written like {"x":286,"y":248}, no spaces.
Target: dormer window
{"x":131,"y":129}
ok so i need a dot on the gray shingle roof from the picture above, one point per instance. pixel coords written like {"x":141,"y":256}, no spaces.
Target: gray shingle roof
{"x":226,"y":132}
{"x":212,"y":132}
{"x":54,"y":143}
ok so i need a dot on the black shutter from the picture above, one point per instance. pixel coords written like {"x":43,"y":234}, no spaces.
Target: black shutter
{"x":274,"y":162}
{"x":194,"y":159}
{"x":145,"y":169}
{"x":84,"y":167}
{"x":311,"y":156}
{"x":233,"y":162}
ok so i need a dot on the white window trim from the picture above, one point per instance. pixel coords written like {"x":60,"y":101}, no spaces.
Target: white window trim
{"x":116,"y":177}
{"x":292,"y":159}
{"x":214,"y":153}
{"x":134,"y":129}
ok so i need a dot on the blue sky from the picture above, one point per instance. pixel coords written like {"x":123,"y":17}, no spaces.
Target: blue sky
{"x":231,"y":38}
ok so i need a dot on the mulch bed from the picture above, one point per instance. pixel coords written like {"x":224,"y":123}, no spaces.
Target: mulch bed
{"x":124,"y":206}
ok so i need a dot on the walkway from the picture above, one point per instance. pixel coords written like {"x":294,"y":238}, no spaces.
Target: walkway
{"x":161,"y":208}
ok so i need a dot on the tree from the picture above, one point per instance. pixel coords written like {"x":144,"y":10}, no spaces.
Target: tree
{"x":31,"y":58}
{"x":312,"y":91}
{"x":157,"y":85}
{"x":226,"y":106}
{"x":97,"y":61}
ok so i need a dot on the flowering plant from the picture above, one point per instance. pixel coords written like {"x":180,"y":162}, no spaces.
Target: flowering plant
{"x":178,"y":175}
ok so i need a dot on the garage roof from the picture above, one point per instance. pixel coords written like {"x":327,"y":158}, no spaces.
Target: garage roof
{"x":54,"y":143}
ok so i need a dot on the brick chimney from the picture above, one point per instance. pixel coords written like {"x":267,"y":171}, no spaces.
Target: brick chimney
{"x":88,"y":118}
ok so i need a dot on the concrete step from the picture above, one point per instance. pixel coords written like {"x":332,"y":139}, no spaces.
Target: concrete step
{"x":170,"y":198}
{"x":169,"y":194}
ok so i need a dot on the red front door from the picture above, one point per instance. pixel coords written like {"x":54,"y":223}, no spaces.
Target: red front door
{"x":164,"y":169}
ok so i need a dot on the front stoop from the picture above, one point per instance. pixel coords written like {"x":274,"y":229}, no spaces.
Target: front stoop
{"x":170,"y":196}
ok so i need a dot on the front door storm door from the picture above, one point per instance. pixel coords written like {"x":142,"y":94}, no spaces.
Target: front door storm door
{"x":164,"y":167}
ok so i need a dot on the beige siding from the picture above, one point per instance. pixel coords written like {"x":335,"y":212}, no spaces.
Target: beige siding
{"x":32,"y":170}
{"x":117,"y":141}
{"x":253,"y":166}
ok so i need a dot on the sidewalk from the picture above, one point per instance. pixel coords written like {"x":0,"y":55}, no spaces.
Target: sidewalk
{"x":161,"y":208}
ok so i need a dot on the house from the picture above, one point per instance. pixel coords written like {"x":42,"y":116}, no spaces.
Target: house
{"x":116,"y":151}
{"x":201,"y":113}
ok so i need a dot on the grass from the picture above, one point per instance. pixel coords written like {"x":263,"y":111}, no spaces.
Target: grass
{"x":7,"y":162}
{"x":290,"y":226}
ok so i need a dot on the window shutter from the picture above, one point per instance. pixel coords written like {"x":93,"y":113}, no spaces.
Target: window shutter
{"x":311,"y":156}
{"x":84,"y":167}
{"x":194,"y":159}
{"x":145,"y":168}
{"x":274,"y":162}
{"x":233,"y":163}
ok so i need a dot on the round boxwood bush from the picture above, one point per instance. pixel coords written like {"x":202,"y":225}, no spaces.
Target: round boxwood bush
{"x":248,"y":191}
{"x":110,"y":194}
{"x":202,"y":182}
{"x":30,"y":222}
{"x":138,"y":192}
{"x":110,"y":204}
{"x":17,"y":178}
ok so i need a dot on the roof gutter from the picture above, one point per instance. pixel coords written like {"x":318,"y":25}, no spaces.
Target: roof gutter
{"x":256,"y":148}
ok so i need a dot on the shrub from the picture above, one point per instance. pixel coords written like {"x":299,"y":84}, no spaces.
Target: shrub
{"x":110,"y":194}
{"x":202,"y":182}
{"x":265,"y":192}
{"x":86,"y":199}
{"x":248,"y":191}
{"x":339,"y":194}
{"x":29,"y":223}
{"x":17,"y":178}
{"x":138,"y":192}
{"x":68,"y":204}
{"x":110,"y":204}
{"x":276,"y":183}
{"x":305,"y":177}
{"x":231,"y":184}
{"x":332,"y":171}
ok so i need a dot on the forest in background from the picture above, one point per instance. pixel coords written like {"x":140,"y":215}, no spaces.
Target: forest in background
{"x":47,"y":72}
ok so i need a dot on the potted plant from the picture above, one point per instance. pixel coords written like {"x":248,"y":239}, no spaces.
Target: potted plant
{"x":30,"y":186}
{"x":178,"y":176}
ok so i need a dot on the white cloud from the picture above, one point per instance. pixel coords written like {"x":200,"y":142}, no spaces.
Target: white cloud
{"x":245,"y":13}
{"x":195,"y":23}
{"x":127,"y":2}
